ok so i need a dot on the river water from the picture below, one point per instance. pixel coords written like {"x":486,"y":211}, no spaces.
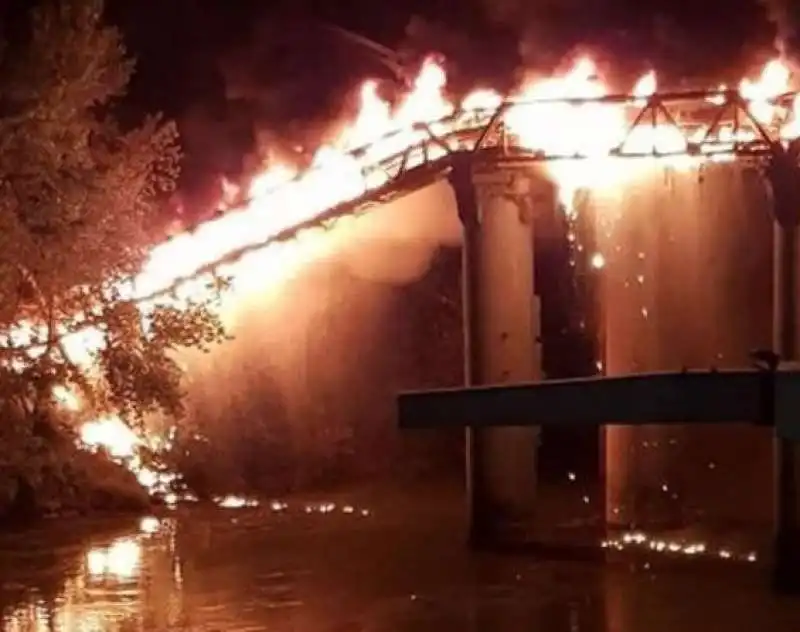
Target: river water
{"x":351,"y":563}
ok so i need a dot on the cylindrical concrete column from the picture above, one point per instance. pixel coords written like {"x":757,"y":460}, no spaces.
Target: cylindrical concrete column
{"x":501,"y":327}
{"x":787,"y":453}
{"x":784,"y":178}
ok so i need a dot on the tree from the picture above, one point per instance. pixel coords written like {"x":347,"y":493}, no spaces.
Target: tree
{"x":79,"y":194}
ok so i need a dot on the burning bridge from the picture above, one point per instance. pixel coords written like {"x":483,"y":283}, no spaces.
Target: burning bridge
{"x":506,"y":161}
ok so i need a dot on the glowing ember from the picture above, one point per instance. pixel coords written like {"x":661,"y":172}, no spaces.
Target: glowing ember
{"x":598,"y":261}
{"x":279,"y":198}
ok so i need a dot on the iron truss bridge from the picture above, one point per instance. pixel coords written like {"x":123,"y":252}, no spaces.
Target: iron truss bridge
{"x":701,"y":124}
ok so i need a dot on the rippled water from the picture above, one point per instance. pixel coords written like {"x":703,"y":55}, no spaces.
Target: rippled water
{"x":354,"y":564}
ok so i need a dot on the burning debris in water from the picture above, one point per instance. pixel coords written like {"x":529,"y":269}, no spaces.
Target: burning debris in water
{"x":282,"y":507}
{"x":640,"y":541}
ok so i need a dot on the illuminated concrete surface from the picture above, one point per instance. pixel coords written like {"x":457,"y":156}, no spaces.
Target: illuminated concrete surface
{"x":687,"y":283}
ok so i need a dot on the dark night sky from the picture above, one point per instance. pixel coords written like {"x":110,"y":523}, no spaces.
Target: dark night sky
{"x":229,"y":69}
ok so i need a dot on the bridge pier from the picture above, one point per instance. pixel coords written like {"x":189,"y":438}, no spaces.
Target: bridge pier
{"x":784,"y":178}
{"x":501,"y":329}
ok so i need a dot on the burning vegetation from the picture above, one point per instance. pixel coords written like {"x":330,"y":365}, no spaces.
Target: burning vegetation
{"x":79,"y":193}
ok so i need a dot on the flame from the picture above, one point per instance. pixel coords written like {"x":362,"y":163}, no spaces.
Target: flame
{"x":280,"y":197}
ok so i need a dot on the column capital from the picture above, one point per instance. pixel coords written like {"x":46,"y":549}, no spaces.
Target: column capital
{"x":515,"y":186}
{"x":503,"y":182}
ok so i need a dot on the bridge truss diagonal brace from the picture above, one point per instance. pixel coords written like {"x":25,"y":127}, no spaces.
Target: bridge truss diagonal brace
{"x":712,"y":397}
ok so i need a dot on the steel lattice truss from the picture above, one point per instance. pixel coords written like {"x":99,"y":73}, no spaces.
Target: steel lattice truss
{"x":712,"y":124}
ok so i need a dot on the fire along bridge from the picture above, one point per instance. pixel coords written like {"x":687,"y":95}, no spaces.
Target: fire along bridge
{"x":490,"y":171}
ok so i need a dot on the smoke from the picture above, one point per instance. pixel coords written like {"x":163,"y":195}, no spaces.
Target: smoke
{"x":476,"y":56}
{"x":308,"y":381}
{"x":396,"y":243}
{"x":785,"y":15}
{"x":670,"y":36}
{"x":292,"y":111}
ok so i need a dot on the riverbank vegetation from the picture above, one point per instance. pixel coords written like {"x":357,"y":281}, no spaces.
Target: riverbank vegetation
{"x":81,"y":192}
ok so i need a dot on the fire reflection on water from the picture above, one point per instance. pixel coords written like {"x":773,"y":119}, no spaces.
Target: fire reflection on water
{"x":107,"y":590}
{"x":120,"y":560}
{"x":121,"y":584}
{"x":256,"y":567}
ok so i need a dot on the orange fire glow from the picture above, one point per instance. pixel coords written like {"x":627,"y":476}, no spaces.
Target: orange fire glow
{"x":280,"y":197}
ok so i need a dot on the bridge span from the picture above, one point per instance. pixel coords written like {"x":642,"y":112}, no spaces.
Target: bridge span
{"x":500,"y":183}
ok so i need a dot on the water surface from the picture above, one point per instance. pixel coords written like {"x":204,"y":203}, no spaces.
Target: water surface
{"x":354,"y":563}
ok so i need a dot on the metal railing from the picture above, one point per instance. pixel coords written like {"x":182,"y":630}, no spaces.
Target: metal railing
{"x":703,"y":124}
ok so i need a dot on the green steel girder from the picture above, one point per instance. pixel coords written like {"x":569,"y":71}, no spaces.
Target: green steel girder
{"x":762,"y":396}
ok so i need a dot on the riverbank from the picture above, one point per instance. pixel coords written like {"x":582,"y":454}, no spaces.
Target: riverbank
{"x":54,"y":477}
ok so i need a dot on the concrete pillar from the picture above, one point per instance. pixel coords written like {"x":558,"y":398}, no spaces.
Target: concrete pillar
{"x":784,"y":178}
{"x":501,"y":323}
{"x":787,"y":453}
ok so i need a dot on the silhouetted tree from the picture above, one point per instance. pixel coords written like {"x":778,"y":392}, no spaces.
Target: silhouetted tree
{"x":78,"y":197}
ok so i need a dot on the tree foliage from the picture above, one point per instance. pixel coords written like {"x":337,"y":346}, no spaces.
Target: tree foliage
{"x":79,"y":193}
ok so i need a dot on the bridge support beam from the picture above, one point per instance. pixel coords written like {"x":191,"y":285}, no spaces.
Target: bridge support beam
{"x":501,"y":328}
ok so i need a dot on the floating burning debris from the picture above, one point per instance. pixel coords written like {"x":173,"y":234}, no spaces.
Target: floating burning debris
{"x":279,"y":506}
{"x":328,"y":508}
{"x":235,"y":502}
{"x":638,"y":540}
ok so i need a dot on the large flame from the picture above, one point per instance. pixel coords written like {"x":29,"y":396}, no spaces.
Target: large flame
{"x":279,"y":197}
